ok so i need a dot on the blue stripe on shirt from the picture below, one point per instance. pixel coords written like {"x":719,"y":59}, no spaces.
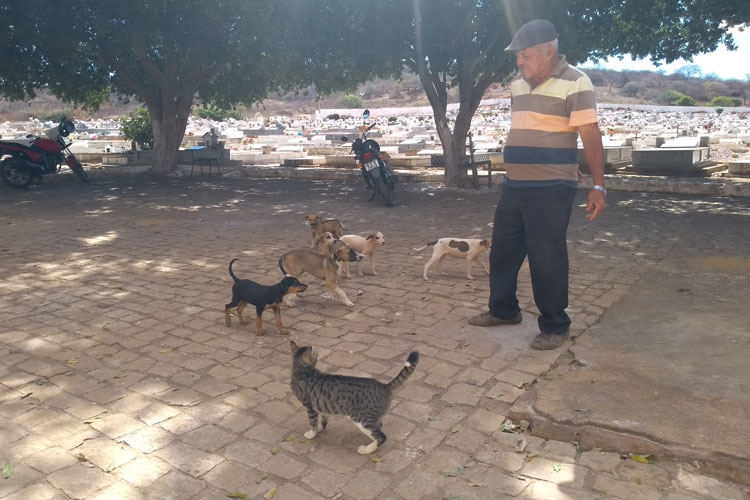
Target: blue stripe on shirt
{"x":540,"y":156}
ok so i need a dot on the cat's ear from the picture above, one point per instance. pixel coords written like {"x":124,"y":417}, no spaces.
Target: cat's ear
{"x":309,"y":357}
{"x":294,"y":346}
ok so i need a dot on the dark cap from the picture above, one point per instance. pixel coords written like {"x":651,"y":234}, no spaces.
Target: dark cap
{"x":532,"y":33}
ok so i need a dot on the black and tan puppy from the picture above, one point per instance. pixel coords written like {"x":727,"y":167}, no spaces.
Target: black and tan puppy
{"x":322,"y":266}
{"x":263,"y":297}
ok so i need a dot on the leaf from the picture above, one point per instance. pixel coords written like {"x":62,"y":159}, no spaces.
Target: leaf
{"x":447,"y":474}
{"x":239,"y":495}
{"x":275,"y":451}
{"x":72,"y":362}
{"x":305,"y":441}
{"x":290,"y":439}
{"x":516,"y":476}
{"x":456,"y":428}
{"x":450,"y":497}
{"x":640,"y":458}
{"x":26,"y":395}
{"x":261,"y":479}
{"x":461,"y":470}
{"x":583,"y":410}
{"x":270,"y":493}
{"x":7,"y":470}
{"x":556,"y":467}
{"x":521,"y":445}
{"x":376,"y":459}
{"x":476,"y":485}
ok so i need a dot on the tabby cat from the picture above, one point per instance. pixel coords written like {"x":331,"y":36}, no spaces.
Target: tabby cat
{"x":364,"y":400}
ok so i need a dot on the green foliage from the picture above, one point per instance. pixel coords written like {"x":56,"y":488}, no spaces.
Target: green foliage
{"x":351,"y":101}
{"x":672,"y":96}
{"x":719,"y":111}
{"x":392,"y":119}
{"x":57,"y":115}
{"x":215,"y":113}
{"x":334,"y":116}
{"x":727,"y":102}
{"x":686,"y":100}
{"x":137,"y":127}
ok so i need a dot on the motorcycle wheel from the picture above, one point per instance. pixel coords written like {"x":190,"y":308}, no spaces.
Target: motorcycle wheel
{"x":384,"y":192}
{"x":80,"y":172}
{"x":17,"y":178}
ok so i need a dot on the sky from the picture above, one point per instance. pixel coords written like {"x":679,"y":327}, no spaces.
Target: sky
{"x":724,"y":63}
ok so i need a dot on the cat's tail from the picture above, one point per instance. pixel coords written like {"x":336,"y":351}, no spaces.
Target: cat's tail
{"x":406,"y":371}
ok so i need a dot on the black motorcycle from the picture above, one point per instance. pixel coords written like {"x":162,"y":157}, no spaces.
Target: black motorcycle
{"x":375,"y":169}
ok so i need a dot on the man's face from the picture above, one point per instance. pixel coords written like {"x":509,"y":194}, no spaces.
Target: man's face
{"x":533,"y":62}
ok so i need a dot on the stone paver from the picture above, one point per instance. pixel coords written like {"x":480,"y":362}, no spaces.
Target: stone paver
{"x":119,"y":379}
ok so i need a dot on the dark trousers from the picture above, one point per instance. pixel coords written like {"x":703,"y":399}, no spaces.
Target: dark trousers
{"x":533,"y":222}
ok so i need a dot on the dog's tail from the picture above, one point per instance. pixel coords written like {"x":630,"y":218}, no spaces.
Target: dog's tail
{"x":281,"y":265}
{"x":235,"y":278}
{"x":406,"y":371}
{"x":428,"y":244}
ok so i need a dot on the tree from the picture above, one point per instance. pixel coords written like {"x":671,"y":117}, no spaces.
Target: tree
{"x":163,"y":53}
{"x":459,"y":43}
{"x":137,"y":127}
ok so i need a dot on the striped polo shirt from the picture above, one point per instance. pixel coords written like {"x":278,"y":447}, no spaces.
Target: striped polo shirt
{"x":542,"y":144}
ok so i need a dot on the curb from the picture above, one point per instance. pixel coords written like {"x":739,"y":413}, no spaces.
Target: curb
{"x":715,"y":186}
{"x":593,"y":437}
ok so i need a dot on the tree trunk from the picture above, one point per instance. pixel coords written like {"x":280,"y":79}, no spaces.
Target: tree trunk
{"x":169,"y":125}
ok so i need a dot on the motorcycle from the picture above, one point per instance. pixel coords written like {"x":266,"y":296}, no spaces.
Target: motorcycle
{"x":375,"y":169}
{"x":26,"y":158}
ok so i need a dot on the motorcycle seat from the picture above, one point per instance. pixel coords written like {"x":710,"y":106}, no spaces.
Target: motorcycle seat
{"x":21,"y":141}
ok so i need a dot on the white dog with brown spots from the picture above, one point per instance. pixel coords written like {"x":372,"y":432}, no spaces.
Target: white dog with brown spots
{"x":468,"y":249}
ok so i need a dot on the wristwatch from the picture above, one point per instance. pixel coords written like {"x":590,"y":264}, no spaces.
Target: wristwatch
{"x":600,"y":188}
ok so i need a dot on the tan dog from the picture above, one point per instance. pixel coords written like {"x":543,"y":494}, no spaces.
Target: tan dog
{"x":468,"y":249}
{"x":324,"y":243}
{"x":322,"y":266}
{"x":364,"y":246}
{"x":319,"y":226}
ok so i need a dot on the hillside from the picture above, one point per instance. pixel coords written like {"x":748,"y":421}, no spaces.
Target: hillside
{"x":621,"y":87}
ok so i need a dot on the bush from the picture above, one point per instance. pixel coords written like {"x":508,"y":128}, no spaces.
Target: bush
{"x":57,"y":116}
{"x":215,"y":113}
{"x":351,"y":101}
{"x":719,"y":111}
{"x":686,"y":100}
{"x":334,"y":116}
{"x":727,"y":102}
{"x":137,"y":127}
{"x":392,"y":119}
{"x":632,"y":89}
{"x":672,"y":96}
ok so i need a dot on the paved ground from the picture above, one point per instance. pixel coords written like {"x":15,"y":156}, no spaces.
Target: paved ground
{"x":119,"y":380}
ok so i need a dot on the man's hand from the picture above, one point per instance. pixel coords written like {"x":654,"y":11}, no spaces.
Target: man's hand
{"x":595,"y":204}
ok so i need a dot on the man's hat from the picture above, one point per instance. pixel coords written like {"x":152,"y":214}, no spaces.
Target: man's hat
{"x":532,"y":33}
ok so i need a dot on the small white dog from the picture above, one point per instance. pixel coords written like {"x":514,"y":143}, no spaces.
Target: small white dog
{"x":363,"y":245}
{"x":457,"y":247}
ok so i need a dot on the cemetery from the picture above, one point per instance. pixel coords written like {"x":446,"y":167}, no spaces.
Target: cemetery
{"x":638,"y":141}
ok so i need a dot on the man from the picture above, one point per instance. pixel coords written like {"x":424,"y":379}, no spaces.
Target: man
{"x":552,"y":103}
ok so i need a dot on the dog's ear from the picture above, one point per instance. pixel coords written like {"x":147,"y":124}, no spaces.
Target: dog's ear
{"x":485,"y":243}
{"x":372,"y":236}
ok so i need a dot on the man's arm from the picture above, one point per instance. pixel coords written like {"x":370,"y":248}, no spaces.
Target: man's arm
{"x":593,"y":151}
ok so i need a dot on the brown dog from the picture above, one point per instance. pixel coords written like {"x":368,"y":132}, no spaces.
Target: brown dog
{"x":322,"y":266}
{"x":365,"y":246}
{"x":319,"y":226}
{"x":457,"y":247}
